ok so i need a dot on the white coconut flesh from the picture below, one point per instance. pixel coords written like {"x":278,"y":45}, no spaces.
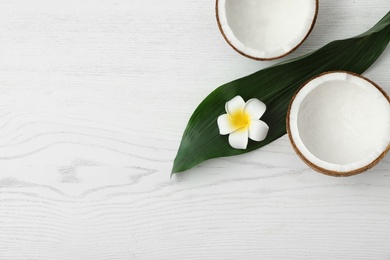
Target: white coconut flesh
{"x":340,"y":122}
{"x":266,"y":29}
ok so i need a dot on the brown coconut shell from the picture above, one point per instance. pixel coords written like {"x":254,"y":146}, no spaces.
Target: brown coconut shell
{"x":316,"y":167}
{"x":266,"y":59}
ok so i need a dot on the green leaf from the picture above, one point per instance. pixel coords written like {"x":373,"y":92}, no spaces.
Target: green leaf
{"x":275,"y":86}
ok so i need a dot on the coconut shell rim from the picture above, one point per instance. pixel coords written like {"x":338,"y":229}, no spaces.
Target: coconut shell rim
{"x":316,"y":167}
{"x":272,"y":58}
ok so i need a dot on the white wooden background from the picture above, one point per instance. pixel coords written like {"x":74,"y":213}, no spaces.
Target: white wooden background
{"x":94,"y":97}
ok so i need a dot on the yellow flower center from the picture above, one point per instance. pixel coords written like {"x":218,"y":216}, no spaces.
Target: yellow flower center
{"x":239,"y":120}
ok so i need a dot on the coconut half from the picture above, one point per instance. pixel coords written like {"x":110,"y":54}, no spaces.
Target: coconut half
{"x":339,"y":123}
{"x":266,"y":29}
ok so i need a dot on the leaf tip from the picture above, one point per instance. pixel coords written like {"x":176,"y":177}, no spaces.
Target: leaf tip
{"x":174,"y":170}
{"x":172,"y":173}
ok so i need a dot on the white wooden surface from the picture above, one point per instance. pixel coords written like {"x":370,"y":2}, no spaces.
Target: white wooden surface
{"x":94,"y":97}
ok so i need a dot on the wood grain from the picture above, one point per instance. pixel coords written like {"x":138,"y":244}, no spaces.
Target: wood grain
{"x":94,"y":97}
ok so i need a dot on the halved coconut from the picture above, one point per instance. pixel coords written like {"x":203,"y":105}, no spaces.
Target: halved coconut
{"x":339,"y":123}
{"x":266,"y":29}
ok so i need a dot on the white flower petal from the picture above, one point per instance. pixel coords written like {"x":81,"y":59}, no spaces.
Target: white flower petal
{"x":239,"y":139}
{"x":258,"y":130}
{"x":224,"y":125}
{"x":255,"y":108}
{"x":234,"y":104}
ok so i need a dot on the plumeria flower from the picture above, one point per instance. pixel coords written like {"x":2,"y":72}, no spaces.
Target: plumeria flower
{"x":242,"y":121}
